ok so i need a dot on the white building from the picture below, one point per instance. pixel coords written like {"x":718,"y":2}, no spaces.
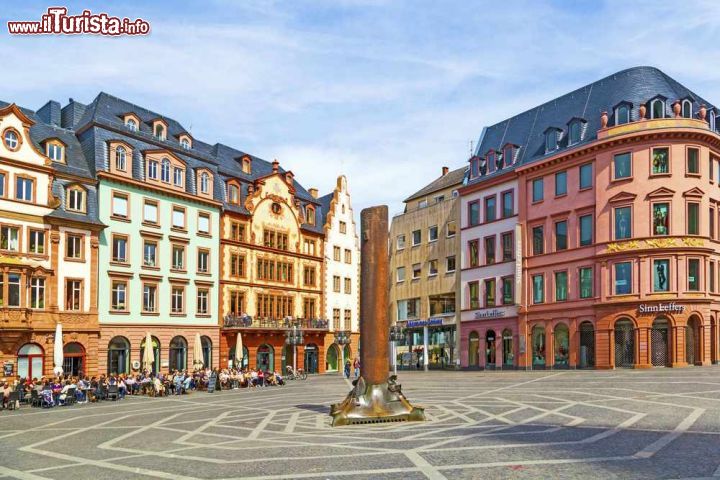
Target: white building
{"x":341,"y":288}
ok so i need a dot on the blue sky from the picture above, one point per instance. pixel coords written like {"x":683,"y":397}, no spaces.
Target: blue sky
{"x":386,"y":92}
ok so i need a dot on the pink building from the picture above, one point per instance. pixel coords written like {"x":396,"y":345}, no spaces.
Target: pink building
{"x":618,"y":212}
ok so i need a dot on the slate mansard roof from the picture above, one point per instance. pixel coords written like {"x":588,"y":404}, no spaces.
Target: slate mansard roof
{"x":76,"y":164}
{"x":635,"y":86}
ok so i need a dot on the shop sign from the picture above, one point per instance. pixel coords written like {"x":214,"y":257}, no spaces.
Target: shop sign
{"x":670,"y":307}
{"x":493,"y":313}
{"x":8,"y":369}
{"x":424,"y":323}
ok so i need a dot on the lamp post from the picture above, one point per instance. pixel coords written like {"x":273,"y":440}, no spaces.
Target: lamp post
{"x":342,"y":338}
{"x":396,"y":335}
{"x":294,"y":337}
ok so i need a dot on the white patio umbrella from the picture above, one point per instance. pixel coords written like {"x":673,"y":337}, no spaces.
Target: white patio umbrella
{"x":58,"y":357}
{"x":238,"y":351}
{"x":148,"y":355}
{"x":198,"y":352}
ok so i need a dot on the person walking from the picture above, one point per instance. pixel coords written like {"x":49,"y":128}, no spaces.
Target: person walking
{"x":356,"y":366}
{"x":347,"y":369}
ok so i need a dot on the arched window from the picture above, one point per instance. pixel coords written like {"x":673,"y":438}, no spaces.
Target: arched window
{"x":30,"y":361}
{"x":156,"y":354}
{"x":562,"y":345}
{"x":490,"y":357}
{"x":74,"y":359}
{"x":246,"y":165}
{"x":185,"y":142}
{"x":165,"y":170}
{"x":178,"y":353}
{"x":204,"y":182}
{"x":574,"y":132}
{"x":245,"y":358}
{"x":131,"y":124}
{"x":266,"y":358}
{"x":551,"y":140}
{"x":538,"y":346}
{"x":159,"y":131}
{"x":624,"y":343}
{"x":687,"y":108}
{"x":657,"y":108}
{"x":622,"y":115}
{"x":76,"y":199}
{"x":121,"y":159}
{"x":118,"y":356}
{"x":206,"y":351}
{"x":233,"y":193}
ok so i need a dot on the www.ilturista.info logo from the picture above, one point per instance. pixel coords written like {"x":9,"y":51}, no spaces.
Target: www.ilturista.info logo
{"x":57,"y":22}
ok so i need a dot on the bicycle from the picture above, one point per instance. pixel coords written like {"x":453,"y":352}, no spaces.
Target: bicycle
{"x":298,"y":374}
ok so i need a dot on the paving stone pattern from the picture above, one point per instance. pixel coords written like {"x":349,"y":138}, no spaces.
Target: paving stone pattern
{"x":629,"y":424}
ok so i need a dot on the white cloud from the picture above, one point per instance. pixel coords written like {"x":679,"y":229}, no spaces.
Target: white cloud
{"x":386,"y":92}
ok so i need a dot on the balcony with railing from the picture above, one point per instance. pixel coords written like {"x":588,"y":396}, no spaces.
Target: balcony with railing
{"x":247,"y":322}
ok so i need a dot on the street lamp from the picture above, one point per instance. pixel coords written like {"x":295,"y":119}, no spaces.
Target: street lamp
{"x":342,"y":338}
{"x":294,"y":337}
{"x":397,"y":334}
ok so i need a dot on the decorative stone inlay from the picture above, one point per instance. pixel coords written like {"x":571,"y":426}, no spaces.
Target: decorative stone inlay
{"x":654,"y":243}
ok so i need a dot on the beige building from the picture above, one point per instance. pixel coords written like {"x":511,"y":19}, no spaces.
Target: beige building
{"x":424,"y":265}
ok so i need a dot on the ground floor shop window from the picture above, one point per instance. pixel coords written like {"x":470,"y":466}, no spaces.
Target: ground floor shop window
{"x":507,"y":342}
{"x":538,"y":346}
{"x":30,"y":361}
{"x":118,"y":356}
{"x":473,"y":345}
{"x":178,"y":353}
{"x":74,"y":359}
{"x":562,"y":345}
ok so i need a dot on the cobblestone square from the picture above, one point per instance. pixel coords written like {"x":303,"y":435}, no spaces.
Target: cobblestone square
{"x":625,"y":424}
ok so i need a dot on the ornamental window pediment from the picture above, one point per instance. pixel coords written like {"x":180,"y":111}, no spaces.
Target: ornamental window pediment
{"x":661,"y":192}
{"x":622,"y":197}
{"x":694,"y":192}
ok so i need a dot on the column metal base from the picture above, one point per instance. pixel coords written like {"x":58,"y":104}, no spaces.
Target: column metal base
{"x":379,"y":403}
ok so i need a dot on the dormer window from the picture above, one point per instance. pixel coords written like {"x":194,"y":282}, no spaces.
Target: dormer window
{"x":11,"y":139}
{"x":246,"y":165}
{"x":75,"y":199}
{"x":657,"y":108}
{"x":711,"y":118}
{"x":575,"y":130}
{"x":551,"y":139}
{"x":121,"y":159}
{"x":234,"y":193}
{"x":491,"y":160}
{"x":310,"y":214}
{"x":204,"y":182}
{"x":55,"y":150}
{"x":185,"y":141}
{"x":160,"y":129}
{"x":165,"y":170}
{"x":131,"y":124}
{"x":289,"y":178}
{"x":622,"y":114}
{"x":509,"y":155}
{"x":474,"y":166}
{"x":482,"y":166}
{"x":686,"y":108}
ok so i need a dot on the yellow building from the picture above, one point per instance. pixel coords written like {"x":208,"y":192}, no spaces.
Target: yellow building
{"x":424,"y":255}
{"x":271,"y":267}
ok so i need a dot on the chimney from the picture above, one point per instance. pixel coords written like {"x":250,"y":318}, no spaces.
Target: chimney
{"x":445,"y":171}
{"x":50,"y":113}
{"x":275,"y":166}
{"x":313,"y":192}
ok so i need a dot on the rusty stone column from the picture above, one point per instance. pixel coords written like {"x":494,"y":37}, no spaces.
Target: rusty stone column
{"x":374,"y":323}
{"x":375,"y":398}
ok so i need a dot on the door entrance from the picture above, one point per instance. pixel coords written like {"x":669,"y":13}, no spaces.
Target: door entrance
{"x":659,"y":341}
{"x":311,"y":358}
{"x":624,"y":344}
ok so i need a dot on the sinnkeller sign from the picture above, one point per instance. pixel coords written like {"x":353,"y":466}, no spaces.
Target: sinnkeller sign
{"x":670,"y":307}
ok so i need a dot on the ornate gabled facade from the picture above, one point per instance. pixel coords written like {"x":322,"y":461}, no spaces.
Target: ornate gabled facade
{"x":341,"y":282}
{"x":48,"y":247}
{"x":272,"y":247}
